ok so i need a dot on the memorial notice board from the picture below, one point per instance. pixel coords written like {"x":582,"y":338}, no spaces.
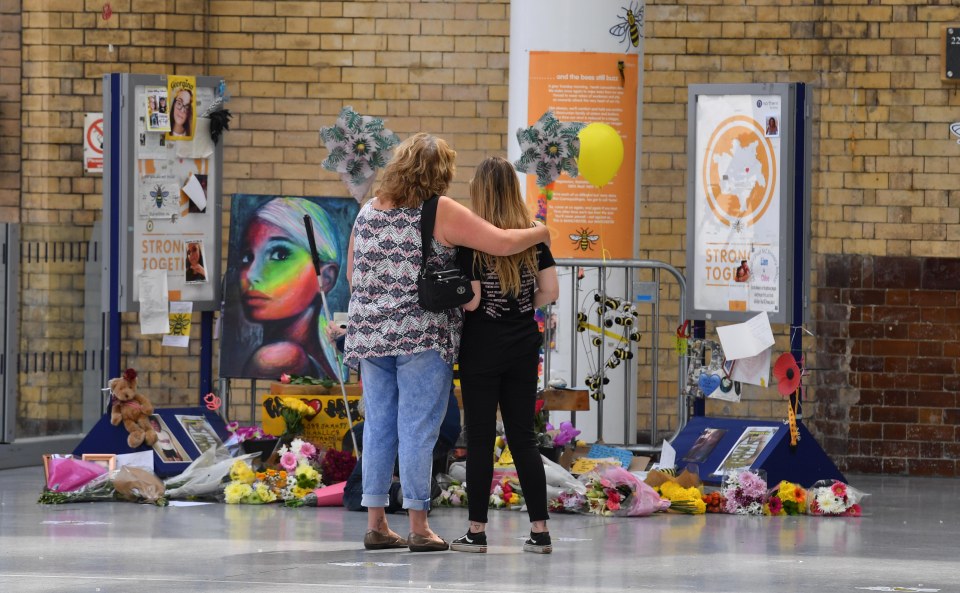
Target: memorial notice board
{"x":169,"y":189}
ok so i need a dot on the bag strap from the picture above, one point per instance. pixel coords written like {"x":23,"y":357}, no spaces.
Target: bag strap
{"x":428,"y":216}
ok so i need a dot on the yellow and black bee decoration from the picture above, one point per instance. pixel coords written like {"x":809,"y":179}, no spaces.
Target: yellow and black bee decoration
{"x":583,"y":239}
{"x":630,"y":27}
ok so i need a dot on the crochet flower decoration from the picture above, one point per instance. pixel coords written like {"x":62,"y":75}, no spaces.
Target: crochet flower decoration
{"x":549,"y":147}
{"x":787,"y":373}
{"x":358,"y":145}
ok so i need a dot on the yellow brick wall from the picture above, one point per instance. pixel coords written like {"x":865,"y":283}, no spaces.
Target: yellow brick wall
{"x":10,"y":71}
{"x":883,"y":157}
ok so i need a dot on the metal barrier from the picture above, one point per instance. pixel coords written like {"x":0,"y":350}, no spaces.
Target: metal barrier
{"x":628,"y":267}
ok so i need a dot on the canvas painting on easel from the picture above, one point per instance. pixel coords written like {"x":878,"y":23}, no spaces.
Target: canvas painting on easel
{"x":273,"y":321}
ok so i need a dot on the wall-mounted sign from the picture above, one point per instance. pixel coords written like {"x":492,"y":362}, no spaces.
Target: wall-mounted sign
{"x":93,"y":142}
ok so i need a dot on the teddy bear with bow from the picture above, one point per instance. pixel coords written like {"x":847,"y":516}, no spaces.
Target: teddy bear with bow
{"x":131,"y":408}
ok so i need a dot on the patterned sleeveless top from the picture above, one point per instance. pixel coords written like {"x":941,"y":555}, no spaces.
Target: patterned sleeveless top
{"x":385,"y":318}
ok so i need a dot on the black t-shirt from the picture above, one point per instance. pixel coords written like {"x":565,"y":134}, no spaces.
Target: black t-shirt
{"x":500,"y":323}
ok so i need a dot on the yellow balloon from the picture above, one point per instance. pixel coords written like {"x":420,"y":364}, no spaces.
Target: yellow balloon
{"x":601,"y":153}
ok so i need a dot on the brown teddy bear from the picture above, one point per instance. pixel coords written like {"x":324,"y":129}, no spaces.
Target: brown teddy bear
{"x":132,"y":408}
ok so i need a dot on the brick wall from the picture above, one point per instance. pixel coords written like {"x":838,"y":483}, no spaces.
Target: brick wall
{"x":10,"y":69}
{"x":883,"y":167}
{"x":291,"y":66}
{"x":888,"y":333}
{"x":884,"y":179}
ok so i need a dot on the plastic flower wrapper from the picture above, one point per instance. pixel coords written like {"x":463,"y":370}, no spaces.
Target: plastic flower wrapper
{"x":559,"y":480}
{"x":131,"y":484}
{"x":204,"y":476}
{"x":744,"y":491}
{"x":453,"y":493}
{"x":833,"y":497}
{"x":786,"y":498}
{"x":613,"y":491}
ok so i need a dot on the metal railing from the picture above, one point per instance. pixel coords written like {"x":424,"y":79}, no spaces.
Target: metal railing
{"x":628,"y":268}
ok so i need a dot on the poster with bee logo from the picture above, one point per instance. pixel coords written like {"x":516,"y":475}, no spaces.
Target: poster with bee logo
{"x":587,"y":87}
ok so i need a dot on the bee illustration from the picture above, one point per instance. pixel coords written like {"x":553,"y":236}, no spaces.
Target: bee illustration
{"x":159,"y":195}
{"x":620,"y":69}
{"x":629,"y":26}
{"x":738,"y":226}
{"x":179,"y":324}
{"x":583,"y":239}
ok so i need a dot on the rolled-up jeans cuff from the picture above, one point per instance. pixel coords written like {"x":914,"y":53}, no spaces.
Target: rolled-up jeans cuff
{"x":375,"y":500}
{"x":416,"y":505}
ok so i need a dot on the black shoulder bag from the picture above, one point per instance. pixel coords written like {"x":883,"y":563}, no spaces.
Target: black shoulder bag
{"x":438,"y":289}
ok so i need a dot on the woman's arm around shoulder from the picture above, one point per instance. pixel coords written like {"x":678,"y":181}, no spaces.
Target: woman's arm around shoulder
{"x":458,"y":225}
{"x":548,"y":287}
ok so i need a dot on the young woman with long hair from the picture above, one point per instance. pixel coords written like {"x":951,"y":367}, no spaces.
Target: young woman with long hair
{"x":500,"y":355}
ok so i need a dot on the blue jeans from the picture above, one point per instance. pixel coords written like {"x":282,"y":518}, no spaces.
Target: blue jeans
{"x":405,"y":400}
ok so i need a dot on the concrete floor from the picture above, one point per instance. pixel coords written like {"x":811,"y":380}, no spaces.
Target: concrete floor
{"x":908,"y":538}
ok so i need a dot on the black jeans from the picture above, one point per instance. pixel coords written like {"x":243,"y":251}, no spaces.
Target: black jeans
{"x":511,"y":383}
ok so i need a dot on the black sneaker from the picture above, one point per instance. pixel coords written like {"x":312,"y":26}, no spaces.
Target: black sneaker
{"x":538,"y":543}
{"x":470,"y":542}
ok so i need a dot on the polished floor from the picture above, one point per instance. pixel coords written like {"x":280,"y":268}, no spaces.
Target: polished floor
{"x":909,"y":538}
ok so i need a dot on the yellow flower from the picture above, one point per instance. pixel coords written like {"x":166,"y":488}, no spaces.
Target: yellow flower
{"x":236,"y":491}
{"x":296,"y":405}
{"x":307,"y":471}
{"x":241,"y":472}
{"x":265,"y":494}
{"x":301,"y":492}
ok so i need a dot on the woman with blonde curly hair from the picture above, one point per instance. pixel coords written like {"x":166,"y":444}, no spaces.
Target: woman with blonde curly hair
{"x":404,"y":353}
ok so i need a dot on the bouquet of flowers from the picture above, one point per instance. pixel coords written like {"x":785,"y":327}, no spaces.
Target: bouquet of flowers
{"x":569,"y":501}
{"x":548,"y":435}
{"x":454,"y":495}
{"x":786,"y":499}
{"x":337,"y":466}
{"x":833,"y":497}
{"x":687,"y":500}
{"x":507,"y":494}
{"x":306,"y":380}
{"x":249,"y":487}
{"x":300,"y":460}
{"x":744,"y":491}
{"x":714,"y":502}
{"x":613,"y":491}
{"x":293,"y":411}
{"x":247,"y":433}
{"x":296,"y":477}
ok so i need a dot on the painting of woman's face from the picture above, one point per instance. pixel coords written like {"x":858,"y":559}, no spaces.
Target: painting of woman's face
{"x":193,"y":252}
{"x":277,"y":278}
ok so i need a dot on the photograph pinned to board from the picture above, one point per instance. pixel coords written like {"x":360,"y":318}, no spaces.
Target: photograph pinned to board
{"x":747,"y":449}
{"x":182,"y":93}
{"x":167,"y":447}
{"x":194,"y":266}
{"x":159,"y":196}
{"x":154,"y":317}
{"x":200,"y":432}
{"x":704,"y":445}
{"x":180,"y":314}
{"x":196,"y":190}
{"x":158,"y":116}
{"x":150,"y":145}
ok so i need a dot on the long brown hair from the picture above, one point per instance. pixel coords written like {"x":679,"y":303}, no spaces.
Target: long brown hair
{"x":495,"y":197}
{"x":422,"y":166}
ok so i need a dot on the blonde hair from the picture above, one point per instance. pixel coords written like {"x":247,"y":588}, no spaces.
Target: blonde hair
{"x":422,"y":166}
{"x":495,"y":197}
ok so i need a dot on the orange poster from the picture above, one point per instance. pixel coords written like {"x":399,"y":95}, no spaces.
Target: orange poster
{"x":588,"y":222}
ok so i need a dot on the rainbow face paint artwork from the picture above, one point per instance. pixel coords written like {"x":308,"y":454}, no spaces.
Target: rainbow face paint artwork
{"x":272,"y":317}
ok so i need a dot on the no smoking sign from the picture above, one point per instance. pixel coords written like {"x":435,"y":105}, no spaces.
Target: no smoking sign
{"x":93,"y":142}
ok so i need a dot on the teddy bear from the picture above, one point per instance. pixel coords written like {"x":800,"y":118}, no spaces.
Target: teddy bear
{"x":132,"y":408}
